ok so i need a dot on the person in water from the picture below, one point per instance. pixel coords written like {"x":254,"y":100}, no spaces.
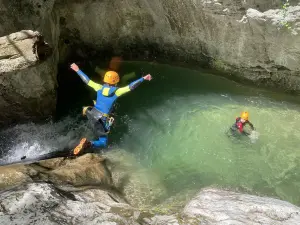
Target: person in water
{"x":240,"y":122}
{"x":99,"y":115}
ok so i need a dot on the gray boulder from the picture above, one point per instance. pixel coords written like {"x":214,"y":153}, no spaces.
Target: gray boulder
{"x":41,"y":203}
{"x":27,"y":90}
{"x":226,"y":207}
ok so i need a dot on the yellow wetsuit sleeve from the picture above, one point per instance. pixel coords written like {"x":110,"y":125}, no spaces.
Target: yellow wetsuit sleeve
{"x":94,"y":85}
{"x":122,"y":91}
{"x":130,"y":87}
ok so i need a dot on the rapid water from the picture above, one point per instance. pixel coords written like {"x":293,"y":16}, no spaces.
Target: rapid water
{"x":176,"y":126}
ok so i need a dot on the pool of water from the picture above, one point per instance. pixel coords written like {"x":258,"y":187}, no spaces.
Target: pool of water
{"x":176,"y":125}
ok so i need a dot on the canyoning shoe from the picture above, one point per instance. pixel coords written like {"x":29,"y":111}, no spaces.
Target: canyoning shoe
{"x":84,"y":143}
{"x":84,"y":110}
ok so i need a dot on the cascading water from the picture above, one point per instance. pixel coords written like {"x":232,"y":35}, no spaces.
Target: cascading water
{"x":32,"y":140}
{"x":176,"y":125}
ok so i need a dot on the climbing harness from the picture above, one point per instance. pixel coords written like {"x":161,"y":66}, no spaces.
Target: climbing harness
{"x":106,"y":120}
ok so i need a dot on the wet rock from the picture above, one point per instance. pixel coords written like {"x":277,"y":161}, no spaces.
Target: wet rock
{"x":15,"y":175}
{"x":226,"y":207}
{"x":87,"y":170}
{"x":41,"y":203}
{"x":51,"y":164}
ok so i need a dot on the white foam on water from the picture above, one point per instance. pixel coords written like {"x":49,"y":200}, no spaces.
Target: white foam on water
{"x":37,"y":139}
{"x":254,"y":136}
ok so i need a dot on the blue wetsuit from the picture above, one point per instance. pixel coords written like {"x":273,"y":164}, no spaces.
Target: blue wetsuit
{"x":106,"y":97}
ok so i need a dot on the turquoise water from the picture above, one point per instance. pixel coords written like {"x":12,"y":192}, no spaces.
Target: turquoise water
{"x":176,"y":127}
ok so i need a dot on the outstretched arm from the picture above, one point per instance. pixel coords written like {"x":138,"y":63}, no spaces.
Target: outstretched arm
{"x":251,"y":125}
{"x":132,"y":86}
{"x":85,"y":78}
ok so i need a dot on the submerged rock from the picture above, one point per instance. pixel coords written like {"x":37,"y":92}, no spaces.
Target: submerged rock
{"x":140,"y":186}
{"x":226,"y":207}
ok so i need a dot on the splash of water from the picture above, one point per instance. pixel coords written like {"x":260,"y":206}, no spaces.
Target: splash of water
{"x":254,"y":136}
{"x":37,"y":139}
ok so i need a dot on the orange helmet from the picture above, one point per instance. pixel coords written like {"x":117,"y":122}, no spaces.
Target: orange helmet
{"x":245,"y":115}
{"x":111,"y":77}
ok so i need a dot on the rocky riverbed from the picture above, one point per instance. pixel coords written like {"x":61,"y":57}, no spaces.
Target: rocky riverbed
{"x":112,"y":189}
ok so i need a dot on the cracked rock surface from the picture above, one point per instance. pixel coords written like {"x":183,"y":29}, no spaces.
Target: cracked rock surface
{"x":226,"y":207}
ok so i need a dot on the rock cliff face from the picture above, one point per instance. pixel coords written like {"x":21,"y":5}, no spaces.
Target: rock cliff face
{"x":28,"y":84}
{"x":26,"y":80}
{"x":245,"y":39}
{"x":231,"y":36}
